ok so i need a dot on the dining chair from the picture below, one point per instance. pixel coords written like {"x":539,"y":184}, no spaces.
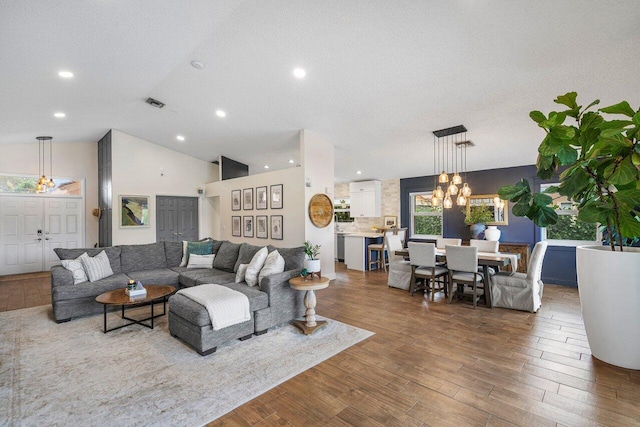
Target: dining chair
{"x":399,"y":269}
{"x":422,"y":257}
{"x":441,"y":242}
{"x":491,"y":246}
{"x":462,"y":262}
{"x":521,"y":291}
{"x":381,"y":251}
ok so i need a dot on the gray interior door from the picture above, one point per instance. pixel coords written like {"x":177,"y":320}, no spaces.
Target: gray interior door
{"x":105,"y":198}
{"x":176,"y":218}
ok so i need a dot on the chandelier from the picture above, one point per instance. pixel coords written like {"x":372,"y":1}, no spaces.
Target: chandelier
{"x":448,"y":145}
{"x":43,"y":183}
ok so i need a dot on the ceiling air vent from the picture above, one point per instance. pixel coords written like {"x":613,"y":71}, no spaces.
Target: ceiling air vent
{"x":154,"y":103}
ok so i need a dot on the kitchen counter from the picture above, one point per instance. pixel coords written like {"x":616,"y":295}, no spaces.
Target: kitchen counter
{"x":356,"y":255}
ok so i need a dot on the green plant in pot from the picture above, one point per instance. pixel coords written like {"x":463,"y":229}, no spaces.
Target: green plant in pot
{"x":311,"y":263}
{"x":477,"y":217}
{"x":601,"y":158}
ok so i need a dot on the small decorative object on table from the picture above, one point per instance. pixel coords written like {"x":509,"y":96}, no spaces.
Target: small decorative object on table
{"x":312,"y":264}
{"x":136,"y":290}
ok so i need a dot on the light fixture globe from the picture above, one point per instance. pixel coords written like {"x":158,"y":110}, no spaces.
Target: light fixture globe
{"x":434,"y":200}
{"x":457,"y":179}
{"x":453,"y":189}
{"x":50,"y":183}
{"x":443,"y":178}
{"x":461,"y":200}
{"x":439,"y":193}
{"x":447,"y":203}
{"x":466,"y":190}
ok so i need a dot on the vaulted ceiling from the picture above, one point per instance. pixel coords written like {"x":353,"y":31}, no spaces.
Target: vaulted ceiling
{"x":380,"y":75}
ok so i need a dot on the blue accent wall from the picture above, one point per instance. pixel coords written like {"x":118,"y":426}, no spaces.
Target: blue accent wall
{"x":560,"y":262}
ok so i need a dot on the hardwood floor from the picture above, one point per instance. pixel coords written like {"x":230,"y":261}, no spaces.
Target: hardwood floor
{"x":434,"y":364}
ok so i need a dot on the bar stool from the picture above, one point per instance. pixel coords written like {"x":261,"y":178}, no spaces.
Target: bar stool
{"x":380,"y":261}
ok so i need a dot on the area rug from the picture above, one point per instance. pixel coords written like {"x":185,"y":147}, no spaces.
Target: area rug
{"x":73,"y":374}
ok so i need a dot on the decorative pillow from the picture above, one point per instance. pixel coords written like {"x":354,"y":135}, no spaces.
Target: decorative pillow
{"x":274,"y":264}
{"x":200,"y":261}
{"x":242,"y":270}
{"x":75,"y":266}
{"x":183,"y":262}
{"x":97,"y":267}
{"x":199,"y":248}
{"x":251,"y":276}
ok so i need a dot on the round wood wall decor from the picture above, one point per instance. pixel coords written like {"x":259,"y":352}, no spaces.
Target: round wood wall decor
{"x":320,"y":210}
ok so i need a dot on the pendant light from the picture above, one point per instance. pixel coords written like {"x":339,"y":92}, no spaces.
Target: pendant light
{"x":44,"y":183}
{"x":448,"y":144}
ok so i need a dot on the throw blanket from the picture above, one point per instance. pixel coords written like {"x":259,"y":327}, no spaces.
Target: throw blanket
{"x":226,"y":307}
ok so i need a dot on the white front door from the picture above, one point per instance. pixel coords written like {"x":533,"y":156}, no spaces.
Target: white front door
{"x":31,"y":226}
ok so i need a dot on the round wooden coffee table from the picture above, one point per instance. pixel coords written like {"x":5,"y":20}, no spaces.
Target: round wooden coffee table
{"x":120,"y":297}
{"x":310,"y":325}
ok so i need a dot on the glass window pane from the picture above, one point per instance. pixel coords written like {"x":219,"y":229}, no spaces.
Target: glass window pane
{"x":427,"y":225}
{"x":422,"y":204}
{"x":27,"y":185}
{"x":570,"y":228}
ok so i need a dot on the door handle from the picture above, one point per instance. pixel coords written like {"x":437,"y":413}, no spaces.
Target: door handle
{"x":180,"y":234}
{"x":39,"y":238}
{"x":175,"y":234}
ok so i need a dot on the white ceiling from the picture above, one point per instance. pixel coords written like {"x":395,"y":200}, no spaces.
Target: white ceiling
{"x":381,"y":75}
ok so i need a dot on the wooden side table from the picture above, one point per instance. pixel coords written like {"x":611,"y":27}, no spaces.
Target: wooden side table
{"x":309,"y":325}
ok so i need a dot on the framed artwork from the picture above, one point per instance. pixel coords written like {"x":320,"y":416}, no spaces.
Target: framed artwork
{"x":248,"y":226}
{"x":276,"y":196}
{"x":261,"y":198}
{"x":235,"y":200}
{"x":276,"y":227}
{"x":247,"y":199}
{"x":390,"y":221}
{"x":262,"y":225}
{"x":236,"y":226}
{"x":134,"y":211}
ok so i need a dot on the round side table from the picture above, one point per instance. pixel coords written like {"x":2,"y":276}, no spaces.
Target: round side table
{"x":309,"y":325}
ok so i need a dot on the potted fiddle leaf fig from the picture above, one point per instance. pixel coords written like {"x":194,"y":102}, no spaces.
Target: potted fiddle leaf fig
{"x":600,"y":153}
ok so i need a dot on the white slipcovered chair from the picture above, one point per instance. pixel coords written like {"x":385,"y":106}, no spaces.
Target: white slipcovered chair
{"x":462,"y":262}
{"x":441,"y":242}
{"x":518,"y":290}
{"x":399,"y":269}
{"x":423,"y":265}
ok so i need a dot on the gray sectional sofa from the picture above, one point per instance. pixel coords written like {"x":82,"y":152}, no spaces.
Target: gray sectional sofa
{"x":272,"y":302}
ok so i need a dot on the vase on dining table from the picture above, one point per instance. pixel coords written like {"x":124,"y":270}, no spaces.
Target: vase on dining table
{"x":492,"y":233}
{"x":476,"y":230}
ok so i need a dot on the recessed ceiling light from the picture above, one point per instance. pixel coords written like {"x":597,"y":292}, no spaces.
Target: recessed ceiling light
{"x":291,"y":161}
{"x":266,"y":166}
{"x":59,"y":115}
{"x":197,"y":65}
{"x":299,"y":73}
{"x":180,"y":138}
{"x":65,"y":74}
{"x":221,"y":113}
{"x":359,"y":172}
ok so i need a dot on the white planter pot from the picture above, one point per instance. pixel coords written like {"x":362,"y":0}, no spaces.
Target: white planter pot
{"x":492,"y":233}
{"x":312,"y":265}
{"x":609,"y":286}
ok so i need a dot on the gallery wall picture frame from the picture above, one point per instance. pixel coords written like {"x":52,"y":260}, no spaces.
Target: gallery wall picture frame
{"x":390,"y":221}
{"x":236,"y":226}
{"x":261,"y":198}
{"x":248,"y":226}
{"x":276,"y":196}
{"x":236,"y":197}
{"x":277,"y":225}
{"x":247,"y":199}
{"x":262,"y":227}
{"x":134,"y":211}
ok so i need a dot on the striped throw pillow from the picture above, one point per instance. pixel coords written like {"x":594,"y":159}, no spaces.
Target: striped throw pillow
{"x":97,"y":267}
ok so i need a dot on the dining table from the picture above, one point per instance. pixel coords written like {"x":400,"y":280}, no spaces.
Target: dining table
{"x":485,"y":260}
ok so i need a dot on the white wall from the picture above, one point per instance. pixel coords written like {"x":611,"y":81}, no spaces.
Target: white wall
{"x":70,"y":160}
{"x":143,"y":168}
{"x":293,"y":204}
{"x":318,"y":165}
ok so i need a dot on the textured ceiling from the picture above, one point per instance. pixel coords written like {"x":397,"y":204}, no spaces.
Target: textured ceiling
{"x":381,"y":75}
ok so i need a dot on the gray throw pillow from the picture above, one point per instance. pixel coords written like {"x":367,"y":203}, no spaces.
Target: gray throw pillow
{"x":226,"y":256}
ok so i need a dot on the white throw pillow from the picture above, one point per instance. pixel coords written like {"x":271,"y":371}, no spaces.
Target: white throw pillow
{"x":200,"y":261}
{"x":183,"y":262}
{"x":75,"y":267}
{"x":273,"y":265}
{"x":251,"y":276}
{"x":96,"y":267}
{"x":242,"y":270}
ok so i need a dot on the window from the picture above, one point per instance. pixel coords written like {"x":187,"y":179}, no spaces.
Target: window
{"x":569,"y":230}
{"x":23,"y":184}
{"x":341,"y":209}
{"x":426,"y":220}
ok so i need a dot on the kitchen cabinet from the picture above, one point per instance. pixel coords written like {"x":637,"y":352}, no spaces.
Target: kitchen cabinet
{"x":366,"y":199}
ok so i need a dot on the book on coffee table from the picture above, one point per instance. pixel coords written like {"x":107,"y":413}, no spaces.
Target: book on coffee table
{"x":136,"y":293}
